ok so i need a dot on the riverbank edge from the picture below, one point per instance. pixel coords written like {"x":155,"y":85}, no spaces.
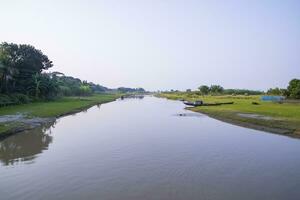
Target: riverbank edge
{"x":280,"y":131}
{"x":238,"y":121}
{"x":46,"y":120}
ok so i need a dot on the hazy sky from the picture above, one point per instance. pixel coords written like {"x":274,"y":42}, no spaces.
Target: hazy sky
{"x":162,"y":44}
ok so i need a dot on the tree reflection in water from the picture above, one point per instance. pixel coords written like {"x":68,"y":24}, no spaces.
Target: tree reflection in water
{"x":24,"y":147}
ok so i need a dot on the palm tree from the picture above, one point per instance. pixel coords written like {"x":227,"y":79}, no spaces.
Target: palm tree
{"x":36,"y":85}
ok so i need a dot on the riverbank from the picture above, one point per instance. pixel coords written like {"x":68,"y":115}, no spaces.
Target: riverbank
{"x":18,"y":118}
{"x":249,"y":112}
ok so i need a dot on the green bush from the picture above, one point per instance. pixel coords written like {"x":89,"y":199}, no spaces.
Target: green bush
{"x":14,"y":99}
{"x":5,"y":100}
{"x":22,"y":98}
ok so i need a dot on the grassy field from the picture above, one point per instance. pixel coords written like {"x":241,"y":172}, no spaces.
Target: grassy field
{"x":58,"y":107}
{"x":273,"y":117}
{"x":51,"y":109}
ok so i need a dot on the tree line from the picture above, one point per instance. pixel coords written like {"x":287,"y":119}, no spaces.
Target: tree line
{"x":217,"y":89}
{"x":292,"y":91}
{"x":23,"y":77}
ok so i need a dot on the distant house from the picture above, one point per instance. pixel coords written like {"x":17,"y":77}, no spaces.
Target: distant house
{"x":272,"y":98}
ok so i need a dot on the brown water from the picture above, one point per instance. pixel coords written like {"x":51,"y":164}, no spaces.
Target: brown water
{"x":142,"y":149}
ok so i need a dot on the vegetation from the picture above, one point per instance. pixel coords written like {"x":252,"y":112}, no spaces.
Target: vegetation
{"x":292,"y":91}
{"x":217,"y":90}
{"x":271,"y":116}
{"x":52,"y":109}
{"x":27,"y":88}
{"x":22,"y":72}
{"x":58,"y":107}
{"x":130,"y":90}
{"x":204,"y":89}
{"x":23,"y":78}
{"x":277,"y":91}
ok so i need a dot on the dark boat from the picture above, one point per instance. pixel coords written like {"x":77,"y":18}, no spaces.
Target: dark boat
{"x":195,"y":103}
{"x":200,"y":103}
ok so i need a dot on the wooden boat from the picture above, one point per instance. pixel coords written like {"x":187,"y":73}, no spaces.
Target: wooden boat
{"x":195,"y":103}
{"x":200,"y":103}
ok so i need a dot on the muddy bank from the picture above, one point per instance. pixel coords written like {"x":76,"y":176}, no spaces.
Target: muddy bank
{"x":22,"y":121}
{"x":240,"y":119}
{"x":19,"y":122}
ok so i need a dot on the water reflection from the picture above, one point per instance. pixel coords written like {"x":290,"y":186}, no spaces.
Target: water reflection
{"x":148,"y":149}
{"x":24,"y":147}
{"x":132,"y":96}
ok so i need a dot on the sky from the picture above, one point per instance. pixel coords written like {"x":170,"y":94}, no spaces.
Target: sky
{"x":162,"y":44}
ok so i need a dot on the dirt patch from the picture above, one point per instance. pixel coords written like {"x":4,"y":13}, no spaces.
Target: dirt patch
{"x":255,"y":116}
{"x":19,"y":122}
{"x":21,"y":118}
{"x":11,"y":118}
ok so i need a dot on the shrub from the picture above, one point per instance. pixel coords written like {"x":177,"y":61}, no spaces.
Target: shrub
{"x":5,"y":100}
{"x":85,"y":90}
{"x":13,"y":99}
{"x":21,"y":98}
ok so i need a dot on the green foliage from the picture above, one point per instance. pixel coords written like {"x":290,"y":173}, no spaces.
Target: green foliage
{"x":277,"y":91}
{"x":85,"y":90}
{"x":293,"y":89}
{"x":65,"y":90}
{"x":204,"y":89}
{"x":97,"y":88}
{"x":5,"y":100}
{"x":241,"y":92}
{"x":18,"y":64}
{"x":216,"y":89}
{"x":131,"y":90}
{"x":13,"y":99}
{"x":22,"y":73}
{"x":22,"y":98}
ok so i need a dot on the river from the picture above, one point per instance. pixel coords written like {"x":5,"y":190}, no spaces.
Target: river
{"x":150,"y":149}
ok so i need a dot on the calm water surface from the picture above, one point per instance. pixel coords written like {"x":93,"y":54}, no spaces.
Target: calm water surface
{"x":141,"y":149}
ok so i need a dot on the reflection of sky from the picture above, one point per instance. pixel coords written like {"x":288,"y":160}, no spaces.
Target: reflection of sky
{"x":163,"y":44}
{"x":138,"y":149}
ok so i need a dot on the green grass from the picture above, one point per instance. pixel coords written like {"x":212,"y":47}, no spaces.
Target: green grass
{"x":4,"y":128}
{"x":284,"y":116}
{"x":56,"y":108}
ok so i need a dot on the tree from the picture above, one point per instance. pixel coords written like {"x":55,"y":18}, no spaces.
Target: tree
{"x":131,"y":90}
{"x":21,"y":63}
{"x":85,"y":90}
{"x":242,"y":92}
{"x":7,"y":72}
{"x":275,"y":91}
{"x":293,"y":89}
{"x":204,"y":89}
{"x":36,"y":79}
{"x":6,"y":76}
{"x":216,"y":89}
{"x":43,"y":86}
